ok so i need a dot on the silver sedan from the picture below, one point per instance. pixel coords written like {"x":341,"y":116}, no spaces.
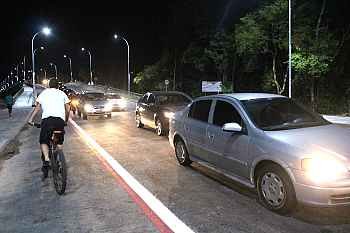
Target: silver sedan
{"x":267,"y":142}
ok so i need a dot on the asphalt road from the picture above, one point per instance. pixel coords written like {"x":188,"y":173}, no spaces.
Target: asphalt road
{"x":93,"y":201}
{"x":201,"y":198}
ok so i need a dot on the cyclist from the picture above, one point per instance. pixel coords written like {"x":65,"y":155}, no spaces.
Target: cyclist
{"x":55,"y":107}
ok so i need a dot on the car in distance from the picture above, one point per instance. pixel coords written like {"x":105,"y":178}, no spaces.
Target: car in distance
{"x":154,"y":109}
{"x":118,"y":103}
{"x":269,"y":143}
{"x":94,"y":104}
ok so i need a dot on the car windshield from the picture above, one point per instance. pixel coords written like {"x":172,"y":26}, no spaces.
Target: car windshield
{"x":172,"y":99}
{"x":281,"y":114}
{"x":113,"y":96}
{"x":95,"y":96}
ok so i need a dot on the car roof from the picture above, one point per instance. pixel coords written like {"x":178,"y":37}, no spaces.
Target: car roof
{"x":249,"y":96}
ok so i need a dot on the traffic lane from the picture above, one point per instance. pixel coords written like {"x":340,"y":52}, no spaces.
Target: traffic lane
{"x":93,"y":201}
{"x":203,"y":199}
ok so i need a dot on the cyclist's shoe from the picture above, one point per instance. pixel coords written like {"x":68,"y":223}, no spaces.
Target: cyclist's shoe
{"x":45,"y":169}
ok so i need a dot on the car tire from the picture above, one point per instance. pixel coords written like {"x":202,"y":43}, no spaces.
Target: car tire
{"x":85,"y":117}
{"x":159,"y":128}
{"x":275,"y":189}
{"x":79,"y":114}
{"x":109,"y":116}
{"x":138,"y":121}
{"x":181,"y":153}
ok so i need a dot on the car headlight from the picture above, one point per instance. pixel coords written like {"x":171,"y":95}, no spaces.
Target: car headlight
{"x":321,"y":170}
{"x":108,"y":107}
{"x":169,"y":115}
{"x":75,"y":102}
{"x":88,"y":108}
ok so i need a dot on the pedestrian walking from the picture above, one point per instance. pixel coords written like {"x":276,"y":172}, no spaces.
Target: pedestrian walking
{"x":9,"y":103}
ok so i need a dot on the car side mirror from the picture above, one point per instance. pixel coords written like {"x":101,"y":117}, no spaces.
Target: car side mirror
{"x":232,"y":127}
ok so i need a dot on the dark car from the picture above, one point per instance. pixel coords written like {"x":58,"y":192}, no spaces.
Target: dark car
{"x":154,"y":109}
{"x":94,"y":104}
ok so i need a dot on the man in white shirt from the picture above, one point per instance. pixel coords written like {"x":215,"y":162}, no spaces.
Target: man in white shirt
{"x":55,"y":108}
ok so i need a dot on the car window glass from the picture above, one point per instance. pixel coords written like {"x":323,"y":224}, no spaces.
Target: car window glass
{"x":144,"y":99}
{"x":173,"y":99}
{"x":225,"y":113}
{"x":95,"y":96}
{"x":200,"y":110}
{"x":151,"y":99}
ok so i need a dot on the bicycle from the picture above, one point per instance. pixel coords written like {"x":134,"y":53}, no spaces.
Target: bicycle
{"x":57,"y":162}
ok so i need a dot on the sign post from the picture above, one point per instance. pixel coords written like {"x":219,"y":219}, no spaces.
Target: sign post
{"x":166,"y":85}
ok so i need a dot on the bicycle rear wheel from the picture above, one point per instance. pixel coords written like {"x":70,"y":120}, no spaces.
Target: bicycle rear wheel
{"x":59,"y":172}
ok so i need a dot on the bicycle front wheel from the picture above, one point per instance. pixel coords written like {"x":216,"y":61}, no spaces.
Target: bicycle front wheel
{"x":59,"y":171}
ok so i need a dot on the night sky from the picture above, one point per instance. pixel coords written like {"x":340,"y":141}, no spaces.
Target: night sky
{"x":92,"y":25}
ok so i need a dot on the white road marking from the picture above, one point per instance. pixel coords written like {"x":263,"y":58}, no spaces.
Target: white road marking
{"x":168,"y":217}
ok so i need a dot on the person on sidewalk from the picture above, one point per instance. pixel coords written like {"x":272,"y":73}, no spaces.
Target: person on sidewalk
{"x":55,"y":107}
{"x":9,"y":103}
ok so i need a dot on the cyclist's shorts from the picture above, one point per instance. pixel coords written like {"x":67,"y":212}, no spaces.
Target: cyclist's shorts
{"x":48,"y":125}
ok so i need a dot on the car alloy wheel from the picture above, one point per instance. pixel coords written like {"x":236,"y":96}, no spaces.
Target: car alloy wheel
{"x":159,"y":128}
{"x":181,"y":153}
{"x":275,"y":189}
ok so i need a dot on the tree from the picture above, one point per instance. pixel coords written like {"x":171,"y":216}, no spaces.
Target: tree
{"x":264,"y":33}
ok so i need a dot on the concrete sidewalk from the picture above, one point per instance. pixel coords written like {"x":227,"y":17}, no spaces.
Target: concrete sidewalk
{"x":10,"y":127}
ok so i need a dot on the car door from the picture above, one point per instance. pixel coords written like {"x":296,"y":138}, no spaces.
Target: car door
{"x":150,"y":107}
{"x":142,"y":107}
{"x":228,"y":150}
{"x":195,"y":126}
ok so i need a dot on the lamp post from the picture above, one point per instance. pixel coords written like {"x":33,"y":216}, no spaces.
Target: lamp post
{"x":24,"y":68}
{"x":44,"y":70}
{"x":127,"y":44}
{"x":46,"y":31}
{"x":290,"y":50}
{"x":54,"y":65}
{"x":70,"y":67}
{"x":17,"y":71}
{"x":91,"y":82}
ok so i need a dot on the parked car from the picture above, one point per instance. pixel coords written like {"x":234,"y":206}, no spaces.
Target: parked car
{"x":270,"y":143}
{"x":94,"y":104}
{"x":154,"y":109}
{"x":118,"y":102}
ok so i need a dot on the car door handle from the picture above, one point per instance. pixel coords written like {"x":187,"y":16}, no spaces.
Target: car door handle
{"x":186,"y":128}
{"x":211,"y":136}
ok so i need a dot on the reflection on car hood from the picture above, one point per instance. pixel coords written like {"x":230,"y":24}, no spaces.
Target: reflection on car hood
{"x":169,"y":108}
{"x":330,"y":139}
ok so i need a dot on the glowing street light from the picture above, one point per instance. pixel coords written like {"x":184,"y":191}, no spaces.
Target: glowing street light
{"x":54,"y":65}
{"x":70,"y":66}
{"x":91,"y":82}
{"x":46,"y":31}
{"x":116,"y":37}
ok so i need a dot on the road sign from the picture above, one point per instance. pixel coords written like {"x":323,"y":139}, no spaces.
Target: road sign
{"x":210,"y":86}
{"x":167,"y":82}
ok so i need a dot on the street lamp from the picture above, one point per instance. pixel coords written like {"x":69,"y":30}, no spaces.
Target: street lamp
{"x":53,"y":64}
{"x":116,"y":37}
{"x":91,"y":82}
{"x":70,"y":67}
{"x":46,"y":31}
